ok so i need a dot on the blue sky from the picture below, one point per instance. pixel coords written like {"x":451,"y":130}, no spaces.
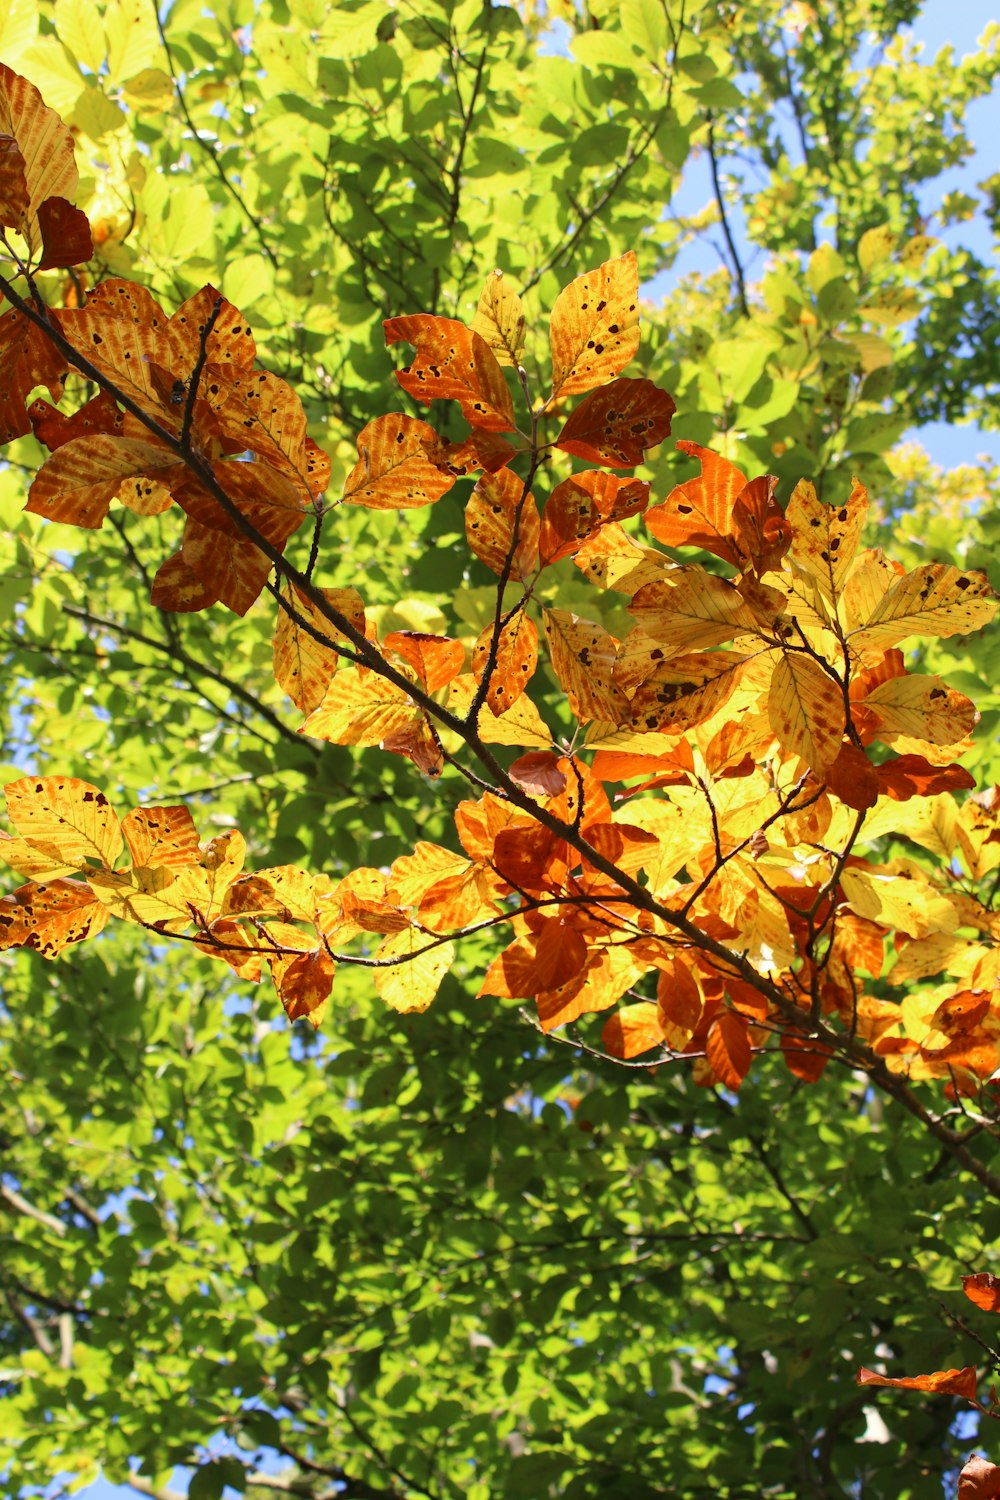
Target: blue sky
{"x":959,"y":22}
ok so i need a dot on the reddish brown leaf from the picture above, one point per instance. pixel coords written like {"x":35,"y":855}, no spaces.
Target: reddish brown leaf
{"x":27,"y":359}
{"x":806,"y":1059}
{"x":984,"y":1290}
{"x":912,"y":776}
{"x":233,"y":569}
{"x":65,"y":231}
{"x":940,"y":1383}
{"x":581,"y":504}
{"x":979,"y":1480}
{"x":15,"y":198}
{"x":679,"y":1003}
{"x":45,"y":146}
{"x":761,"y":533}
{"x":728,"y":1049}
{"x":539,"y":773}
{"x":560,"y":954}
{"x":453,"y":363}
{"x":77,"y":484}
{"x":179,"y":589}
{"x":594,"y":331}
{"x":632,"y":1030}
{"x":53,"y":429}
{"x":47,"y":918}
{"x":853,"y":778}
{"x":496,"y":506}
{"x":616,"y":424}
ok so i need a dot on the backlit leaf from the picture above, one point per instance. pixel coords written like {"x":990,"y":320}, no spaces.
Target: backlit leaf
{"x":303,"y":666}
{"x":77,"y":484}
{"x":699,"y":512}
{"x":583,"y":657}
{"x":514,"y":659}
{"x":496,"y":506}
{"x":690,"y":610}
{"x":359,"y":710}
{"x":616,"y":424}
{"x":825,"y":537}
{"x":632,"y":1030}
{"x":453,"y":363}
{"x":728,"y":1049}
{"x":394,"y":469}
{"x":45,"y":146}
{"x":984,"y":1290}
{"x":418,"y":966}
{"x":500,"y":320}
{"x":935,"y":599}
{"x":940,"y":1383}
{"x":67,"y":815}
{"x":806,"y":710}
{"x":594,"y":330}
{"x":47,"y":918}
{"x":581,"y":504}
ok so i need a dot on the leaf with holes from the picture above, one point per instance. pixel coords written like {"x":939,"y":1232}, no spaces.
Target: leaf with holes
{"x":453,"y":363}
{"x":617,"y":424}
{"x":825,"y":537}
{"x":594,"y":329}
{"x":501,"y":523}
{"x":514,"y":659}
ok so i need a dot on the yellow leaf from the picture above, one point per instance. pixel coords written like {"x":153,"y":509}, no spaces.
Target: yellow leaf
{"x":520,"y":725}
{"x":825,"y":537}
{"x":921,"y":707}
{"x":412,"y":981}
{"x":691,"y":609}
{"x":935,"y":599}
{"x":360,"y":710}
{"x":806,"y":711}
{"x":514,"y":662}
{"x":500,"y":320}
{"x":594,"y":331}
{"x":583,"y":658}
{"x":303,"y":666}
{"x":66,"y":817}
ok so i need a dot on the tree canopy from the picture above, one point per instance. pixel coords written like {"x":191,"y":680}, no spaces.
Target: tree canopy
{"x":618,"y":1192}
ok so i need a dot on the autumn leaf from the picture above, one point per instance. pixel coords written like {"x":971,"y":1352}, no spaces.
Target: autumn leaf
{"x":500,"y":320}
{"x":689,"y":609}
{"x":41,"y":164}
{"x":825,"y":537}
{"x":935,"y":599}
{"x":395,"y":470}
{"x":417,"y":965}
{"x":583,"y":656}
{"x":940,"y":1383}
{"x":453,"y":363}
{"x":984,"y":1290}
{"x":66,"y":817}
{"x":761,"y":534}
{"x":77,"y":484}
{"x":632,"y":1030}
{"x":520,"y":725}
{"x":498,"y":508}
{"x":513,"y":653}
{"x":616,"y":424}
{"x":728,"y":1049}
{"x":921,"y":707}
{"x":612,"y":560}
{"x":594,"y":329}
{"x":51,"y":916}
{"x":435,"y":659}
{"x":979,"y":1480}
{"x":539,"y":773}
{"x":806,"y":711}
{"x":699,"y":512}
{"x":684,"y":691}
{"x":581,"y":504}
{"x":359,"y":709}
{"x":162,"y":836}
{"x":65,"y":233}
{"x":27,"y":360}
{"x":304,"y":666}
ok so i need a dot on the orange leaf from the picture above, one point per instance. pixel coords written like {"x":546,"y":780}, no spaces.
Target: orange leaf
{"x":940,"y":1383}
{"x":395,"y":470}
{"x":806,"y":711}
{"x":685,"y":691}
{"x":51,"y":428}
{"x":919,"y":707}
{"x":806,"y":1059}
{"x":304,"y":983}
{"x":436,"y":659}
{"x":514,"y":663}
{"x":984,"y":1290}
{"x":761,"y":533}
{"x":632,"y":1030}
{"x":498,"y":504}
{"x":679,"y":1003}
{"x":728,"y":1049}
{"x":617,"y":423}
{"x":303,"y":666}
{"x":178,"y":588}
{"x":359,"y":710}
{"x":453,"y":363}
{"x":560,"y":954}
{"x":233,"y":569}
{"x":699,"y":512}
{"x":66,"y":816}
{"x":47,"y":918}
{"x":581,"y":504}
{"x":163,"y":836}
{"x":45,"y":146}
{"x":77,"y":484}
{"x":594,"y":330}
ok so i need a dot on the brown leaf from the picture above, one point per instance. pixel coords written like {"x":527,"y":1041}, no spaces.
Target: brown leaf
{"x":581,"y":504}
{"x":940,"y":1383}
{"x":453,"y":363}
{"x":594,"y":330}
{"x":728,"y":1049}
{"x":979,"y":1480}
{"x":47,"y":918}
{"x":233,"y":569}
{"x":913,"y":776}
{"x":65,"y":231}
{"x":45,"y":147}
{"x":538,"y":773}
{"x":54,"y":430}
{"x":27,"y":359}
{"x":761,"y":534}
{"x":685,"y":691}
{"x":179,"y":589}
{"x":616,"y":424}
{"x":853,"y":778}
